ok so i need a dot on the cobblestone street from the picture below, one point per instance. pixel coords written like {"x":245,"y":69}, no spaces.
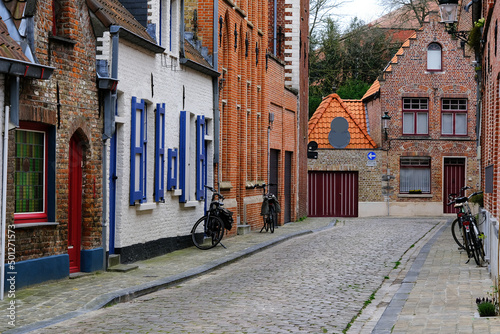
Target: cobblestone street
{"x":315,"y":283}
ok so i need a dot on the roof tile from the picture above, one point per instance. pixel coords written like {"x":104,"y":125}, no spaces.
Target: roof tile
{"x":352,"y":110}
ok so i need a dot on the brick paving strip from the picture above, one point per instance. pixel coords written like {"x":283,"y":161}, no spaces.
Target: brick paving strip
{"x":50,"y":303}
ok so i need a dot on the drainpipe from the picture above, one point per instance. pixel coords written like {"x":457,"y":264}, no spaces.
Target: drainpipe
{"x":4,"y":198}
{"x":114,"y":75}
{"x":215,"y":86}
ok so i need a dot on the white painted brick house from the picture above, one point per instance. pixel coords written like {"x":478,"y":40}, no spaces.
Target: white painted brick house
{"x":161,"y":153}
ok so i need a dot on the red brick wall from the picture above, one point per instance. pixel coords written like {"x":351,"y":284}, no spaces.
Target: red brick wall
{"x":490,"y":126}
{"x":75,"y":75}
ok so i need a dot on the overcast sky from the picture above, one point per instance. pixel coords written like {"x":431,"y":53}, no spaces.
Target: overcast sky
{"x":366,"y":10}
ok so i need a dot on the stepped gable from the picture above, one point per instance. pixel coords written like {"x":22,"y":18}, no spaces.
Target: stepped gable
{"x":352,"y":110}
{"x":374,"y":88}
{"x":112,"y":12}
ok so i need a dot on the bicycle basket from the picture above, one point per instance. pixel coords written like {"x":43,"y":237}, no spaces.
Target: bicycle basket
{"x":227,"y":218}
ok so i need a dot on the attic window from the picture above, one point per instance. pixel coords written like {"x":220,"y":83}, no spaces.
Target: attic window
{"x":434,"y":57}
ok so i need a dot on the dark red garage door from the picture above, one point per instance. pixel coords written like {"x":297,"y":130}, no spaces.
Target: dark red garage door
{"x":333,"y":194}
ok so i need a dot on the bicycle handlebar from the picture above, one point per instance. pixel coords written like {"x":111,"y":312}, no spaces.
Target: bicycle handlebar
{"x":214,"y":192}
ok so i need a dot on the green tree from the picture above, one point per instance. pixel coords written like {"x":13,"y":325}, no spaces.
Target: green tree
{"x":341,"y":62}
{"x":353,"y":89}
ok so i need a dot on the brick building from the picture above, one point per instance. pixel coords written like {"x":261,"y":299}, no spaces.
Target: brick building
{"x":429,"y":92}
{"x":488,"y":72}
{"x":259,"y":49}
{"x":54,"y":177}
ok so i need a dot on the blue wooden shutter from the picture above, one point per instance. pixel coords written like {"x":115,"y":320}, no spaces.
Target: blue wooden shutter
{"x":200,"y":158}
{"x":172,"y":169}
{"x":160,"y":153}
{"x":137,"y":156}
{"x":182,"y":156}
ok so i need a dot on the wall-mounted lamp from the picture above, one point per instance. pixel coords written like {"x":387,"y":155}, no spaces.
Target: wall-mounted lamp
{"x":271,"y":119}
{"x":449,"y":12}
{"x":222,"y":82}
{"x":385,"y":123}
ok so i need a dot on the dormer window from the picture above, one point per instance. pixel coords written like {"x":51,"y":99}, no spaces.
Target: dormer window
{"x":434,"y":57}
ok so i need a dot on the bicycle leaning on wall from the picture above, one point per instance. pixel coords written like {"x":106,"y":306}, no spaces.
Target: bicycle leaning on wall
{"x":269,"y":209}
{"x":464,"y":227}
{"x":208,"y":231}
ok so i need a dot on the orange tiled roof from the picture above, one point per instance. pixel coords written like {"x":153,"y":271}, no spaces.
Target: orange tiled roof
{"x":352,"y":110}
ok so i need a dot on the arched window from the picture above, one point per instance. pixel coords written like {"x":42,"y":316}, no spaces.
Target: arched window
{"x":434,"y":57}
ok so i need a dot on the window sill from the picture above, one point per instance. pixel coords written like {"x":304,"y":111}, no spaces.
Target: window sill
{"x":27,"y":225}
{"x":145,"y":206}
{"x":444,"y":137}
{"x":226,"y":186}
{"x":62,"y":40}
{"x":415,"y":195}
{"x":191,"y":204}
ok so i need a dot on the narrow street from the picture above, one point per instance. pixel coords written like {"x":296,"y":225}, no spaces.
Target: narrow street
{"x":316,"y":283}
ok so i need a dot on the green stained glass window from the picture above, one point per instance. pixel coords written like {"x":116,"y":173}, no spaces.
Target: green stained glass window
{"x":29,"y":173}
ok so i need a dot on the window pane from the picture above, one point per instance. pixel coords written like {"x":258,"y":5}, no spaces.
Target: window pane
{"x":434,"y":60}
{"x":447,"y":124}
{"x":408,"y":126}
{"x":415,"y":179}
{"x":29,"y":173}
{"x":422,"y":124}
{"x":460,"y":124}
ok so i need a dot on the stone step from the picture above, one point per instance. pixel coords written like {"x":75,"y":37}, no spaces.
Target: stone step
{"x":123,"y":268}
{"x":113,"y":260}
{"x":243,"y":229}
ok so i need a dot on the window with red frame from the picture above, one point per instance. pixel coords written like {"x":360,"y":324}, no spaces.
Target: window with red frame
{"x":415,"y":116}
{"x":415,"y":175}
{"x":454,"y":117}
{"x":30,"y":175}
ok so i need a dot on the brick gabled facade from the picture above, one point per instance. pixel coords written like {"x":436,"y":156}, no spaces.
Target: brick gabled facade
{"x":58,"y":118}
{"x":428,"y":133}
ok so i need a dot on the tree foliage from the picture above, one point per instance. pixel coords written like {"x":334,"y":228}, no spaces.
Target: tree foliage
{"x":343,"y":61}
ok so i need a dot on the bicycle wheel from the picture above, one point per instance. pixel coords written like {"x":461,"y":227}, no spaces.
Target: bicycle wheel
{"x":207,"y":234}
{"x":474,"y":245}
{"x":457,"y":233}
{"x":271,"y":220}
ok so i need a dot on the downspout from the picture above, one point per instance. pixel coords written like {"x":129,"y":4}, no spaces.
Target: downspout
{"x":114,"y":74}
{"x":4,"y":198}
{"x":215,"y":86}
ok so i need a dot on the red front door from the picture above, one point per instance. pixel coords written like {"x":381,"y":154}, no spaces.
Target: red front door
{"x":75,"y":204}
{"x":453,"y":181}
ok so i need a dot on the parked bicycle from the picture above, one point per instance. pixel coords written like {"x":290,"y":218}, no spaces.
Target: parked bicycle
{"x":269,"y":209}
{"x":208,"y":231}
{"x":464,"y":227}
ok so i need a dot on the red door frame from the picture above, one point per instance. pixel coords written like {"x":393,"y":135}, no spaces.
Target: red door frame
{"x":75,"y":204}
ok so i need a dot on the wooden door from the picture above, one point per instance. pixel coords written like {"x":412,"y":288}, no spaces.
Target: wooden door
{"x":75,"y":204}
{"x":333,"y":194}
{"x":453,"y":180}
